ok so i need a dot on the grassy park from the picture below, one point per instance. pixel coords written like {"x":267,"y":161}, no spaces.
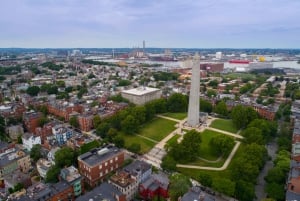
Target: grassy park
{"x":173,"y":139}
{"x":194,"y":173}
{"x":179,"y":116}
{"x":156,"y":130}
{"x":146,"y":145}
{"x":207,"y":151}
{"x":225,"y":125}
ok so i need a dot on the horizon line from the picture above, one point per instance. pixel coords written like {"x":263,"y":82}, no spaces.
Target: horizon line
{"x":277,"y":48}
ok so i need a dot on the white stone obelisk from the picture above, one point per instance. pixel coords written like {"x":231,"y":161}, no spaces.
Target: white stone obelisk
{"x":194,"y":102}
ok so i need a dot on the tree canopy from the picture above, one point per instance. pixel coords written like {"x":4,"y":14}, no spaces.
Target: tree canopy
{"x":33,"y":90}
{"x":188,"y":149}
{"x":177,"y":103}
{"x":242,"y":116}
{"x":179,"y":185}
{"x":35,"y":152}
{"x":222,"y":144}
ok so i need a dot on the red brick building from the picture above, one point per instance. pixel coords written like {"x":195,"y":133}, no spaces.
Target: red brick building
{"x":63,"y":111}
{"x":265,"y":112}
{"x":156,"y":185}
{"x":44,"y":131}
{"x":212,"y":67}
{"x":85,"y":122}
{"x":31,"y":121}
{"x":97,"y":163}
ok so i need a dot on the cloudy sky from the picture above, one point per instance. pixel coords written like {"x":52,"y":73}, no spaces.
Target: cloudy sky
{"x":161,"y":23}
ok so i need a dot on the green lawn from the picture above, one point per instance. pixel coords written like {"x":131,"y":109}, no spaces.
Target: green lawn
{"x":179,"y":116}
{"x":240,"y":75}
{"x":173,"y":139}
{"x":146,"y":145}
{"x":209,"y":164}
{"x":225,"y":125}
{"x":206,"y":151}
{"x":194,"y":173}
{"x":157,"y":129}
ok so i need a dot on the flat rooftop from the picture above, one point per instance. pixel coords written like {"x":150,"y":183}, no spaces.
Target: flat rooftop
{"x":140,"y":91}
{"x":98,"y":155}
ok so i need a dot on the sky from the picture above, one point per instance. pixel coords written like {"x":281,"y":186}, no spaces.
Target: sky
{"x":161,"y":23}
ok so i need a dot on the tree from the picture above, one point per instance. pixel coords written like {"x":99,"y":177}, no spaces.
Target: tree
{"x":241,"y":168}
{"x":52,"y":90}
{"x":179,"y":185}
{"x":81,"y":91}
{"x":160,"y":105}
{"x":275,"y":191}
{"x":102,"y":129}
{"x":248,"y":164}
{"x":242,"y":116}
{"x":112,"y":132}
{"x":52,"y":174}
{"x":268,"y":128}
{"x":275,"y":175}
{"x":150,"y":111}
{"x":129,"y":125}
{"x":225,"y":186}
{"x":96,"y":121}
{"x":213,"y":83}
{"x":253,"y":135}
{"x":244,"y":191}
{"x":211,"y":93}
{"x":33,"y":90}
{"x":205,"y":106}
{"x":74,"y":122}
{"x":255,"y":154}
{"x":223,"y":144}
{"x":124,"y":82}
{"x":221,"y":109}
{"x":135,"y":148}
{"x":168,"y":163}
{"x":119,"y":141}
{"x":205,"y":179}
{"x":89,"y":146}
{"x":188,"y":149}
{"x":60,"y":83}
{"x":138,"y":113}
{"x":2,"y":125}
{"x":177,"y":103}
{"x":282,"y":160}
{"x":35,"y":152}
{"x":64,"y":157}
{"x":259,"y":100}
{"x":43,"y":120}
{"x":19,"y":139}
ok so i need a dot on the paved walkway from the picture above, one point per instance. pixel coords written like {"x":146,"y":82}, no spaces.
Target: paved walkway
{"x":225,"y":165}
{"x":209,"y":161}
{"x":169,"y":118}
{"x":147,"y":138}
{"x":225,"y":132}
{"x":155,"y":155}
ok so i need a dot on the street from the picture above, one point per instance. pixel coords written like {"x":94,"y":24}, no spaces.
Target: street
{"x":261,"y":183}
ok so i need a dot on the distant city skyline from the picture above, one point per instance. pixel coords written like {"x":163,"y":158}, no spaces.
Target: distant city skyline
{"x":161,"y":23}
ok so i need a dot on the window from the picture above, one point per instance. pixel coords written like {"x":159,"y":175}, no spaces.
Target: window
{"x":105,"y":163}
{"x":100,"y":166}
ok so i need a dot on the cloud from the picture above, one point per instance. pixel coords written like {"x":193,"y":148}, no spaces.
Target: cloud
{"x":162,"y":22}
